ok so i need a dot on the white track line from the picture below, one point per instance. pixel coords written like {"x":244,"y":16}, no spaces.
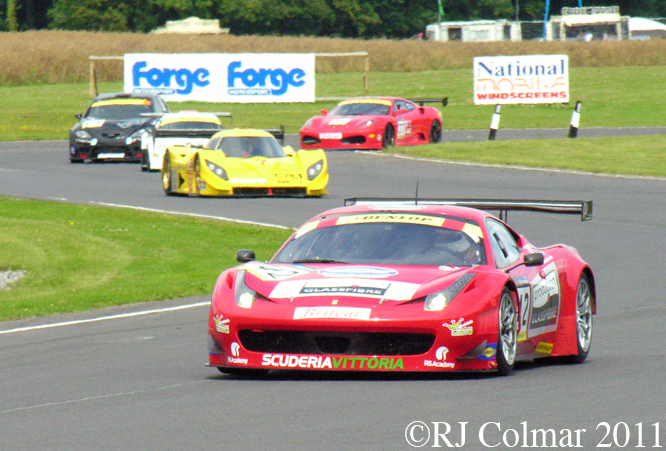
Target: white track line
{"x":104,"y":318}
{"x":194,"y":215}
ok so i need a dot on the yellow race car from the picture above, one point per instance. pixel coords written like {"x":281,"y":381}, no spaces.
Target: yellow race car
{"x":244,"y":162}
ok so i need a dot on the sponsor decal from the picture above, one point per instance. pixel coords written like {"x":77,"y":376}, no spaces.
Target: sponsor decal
{"x":93,"y":123}
{"x":235,"y":353}
{"x":460,"y":328}
{"x":183,"y":79}
{"x":278,"y":79}
{"x":202,"y":184}
{"x":545,"y":303}
{"x":221,"y":325}
{"x":544,"y":348}
{"x":331,"y":363}
{"x":358,"y":271}
{"x":388,"y":217}
{"x":330,"y":135}
{"x":340,"y":121}
{"x":440,"y":354}
{"x":270,"y":272}
{"x":332,"y":312}
{"x":489,"y":352}
{"x":395,"y":291}
{"x":323,"y":287}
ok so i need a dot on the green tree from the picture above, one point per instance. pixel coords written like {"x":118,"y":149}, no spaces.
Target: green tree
{"x":90,"y":15}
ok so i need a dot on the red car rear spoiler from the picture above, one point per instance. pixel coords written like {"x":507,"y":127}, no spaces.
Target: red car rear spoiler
{"x":567,"y":207}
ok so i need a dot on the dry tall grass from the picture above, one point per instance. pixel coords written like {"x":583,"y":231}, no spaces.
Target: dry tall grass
{"x":62,"y":56}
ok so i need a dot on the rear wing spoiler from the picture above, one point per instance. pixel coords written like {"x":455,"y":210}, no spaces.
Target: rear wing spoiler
{"x":192,"y":133}
{"x":444,"y":101}
{"x":567,"y":207}
{"x":278,"y":133}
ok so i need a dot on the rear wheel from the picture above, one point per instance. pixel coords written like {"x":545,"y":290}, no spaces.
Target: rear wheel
{"x":145,"y":165}
{"x":166,"y":174}
{"x":508,"y":334}
{"x":389,"y":137}
{"x":584,"y":308}
{"x":435,"y":132}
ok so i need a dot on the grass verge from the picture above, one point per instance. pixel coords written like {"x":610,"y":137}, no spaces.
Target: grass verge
{"x":79,"y":258}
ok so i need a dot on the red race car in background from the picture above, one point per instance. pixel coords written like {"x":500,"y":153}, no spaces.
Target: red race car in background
{"x":399,"y":285}
{"x":368,"y":123}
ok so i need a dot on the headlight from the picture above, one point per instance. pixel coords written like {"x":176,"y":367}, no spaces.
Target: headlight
{"x":308,"y":123}
{"x":315,"y":169}
{"x":134,"y":137}
{"x":217,"y":170}
{"x":245,"y":296}
{"x":82,"y":135}
{"x":369,"y":123}
{"x":437,"y":301}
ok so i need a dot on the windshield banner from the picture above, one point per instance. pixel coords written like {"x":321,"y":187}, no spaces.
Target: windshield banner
{"x":223,"y":77}
{"x":500,"y":80}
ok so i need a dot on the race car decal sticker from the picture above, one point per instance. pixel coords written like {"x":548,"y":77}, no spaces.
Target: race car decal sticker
{"x":441,"y":362}
{"x":270,"y":272}
{"x":489,"y":352}
{"x":473,"y":231}
{"x":396,"y":291}
{"x":545,"y":302}
{"x":93,"y":123}
{"x":372,"y":101}
{"x":332,"y":313}
{"x":308,"y":226}
{"x":330,"y":135}
{"x":404,"y":128}
{"x":332,"y":363}
{"x":460,"y":328}
{"x":221,"y":325}
{"x":235,"y":355}
{"x":544,"y":348}
{"x":146,"y":102}
{"x":358,"y":271}
{"x":340,"y":121}
{"x":387,"y":217}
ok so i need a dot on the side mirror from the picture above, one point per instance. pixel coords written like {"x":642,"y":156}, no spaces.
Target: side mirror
{"x":289,"y":151}
{"x":244,"y":256}
{"x":535,"y":259}
{"x":324,"y":112}
{"x":78,"y":115}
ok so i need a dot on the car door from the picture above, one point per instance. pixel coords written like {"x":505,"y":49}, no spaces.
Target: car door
{"x":537,"y":285}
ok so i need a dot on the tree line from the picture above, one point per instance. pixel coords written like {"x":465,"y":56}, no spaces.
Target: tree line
{"x":396,"y":19}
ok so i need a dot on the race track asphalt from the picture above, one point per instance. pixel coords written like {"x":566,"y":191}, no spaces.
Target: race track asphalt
{"x":137,"y":381}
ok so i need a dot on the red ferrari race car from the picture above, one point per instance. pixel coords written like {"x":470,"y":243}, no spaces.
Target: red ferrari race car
{"x":398,"y":285}
{"x":374,"y":123}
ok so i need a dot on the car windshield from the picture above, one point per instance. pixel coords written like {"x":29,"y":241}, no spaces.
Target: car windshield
{"x":360,"y":109}
{"x":191,"y":125}
{"x":389,"y":243}
{"x":248,"y":147}
{"x":120,"y":109}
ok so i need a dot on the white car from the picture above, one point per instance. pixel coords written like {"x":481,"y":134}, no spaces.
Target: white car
{"x":185,"y":128}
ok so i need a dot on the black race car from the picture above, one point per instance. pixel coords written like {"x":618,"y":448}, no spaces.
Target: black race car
{"x":111,"y":127}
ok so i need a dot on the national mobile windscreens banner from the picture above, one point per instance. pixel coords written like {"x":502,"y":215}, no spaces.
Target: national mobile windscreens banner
{"x":521,"y":79}
{"x":223,"y":77}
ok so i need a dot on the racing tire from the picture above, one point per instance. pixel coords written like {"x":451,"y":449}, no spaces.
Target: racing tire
{"x":435,"y":132}
{"x":166,"y":175}
{"x":145,"y":166}
{"x":197,"y":176}
{"x":243,"y":372}
{"x":584,"y":309}
{"x":388,"y":139}
{"x":507,"y":337}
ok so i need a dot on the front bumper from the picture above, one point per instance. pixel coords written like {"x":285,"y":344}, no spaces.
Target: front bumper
{"x":105,"y":151}
{"x":345,"y":141}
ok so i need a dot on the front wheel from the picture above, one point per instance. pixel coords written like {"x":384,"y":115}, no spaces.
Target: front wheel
{"x":197,"y":176}
{"x":584,"y":309}
{"x":166,"y":174}
{"x":508,"y":334}
{"x":435,"y":132}
{"x":389,"y":137}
